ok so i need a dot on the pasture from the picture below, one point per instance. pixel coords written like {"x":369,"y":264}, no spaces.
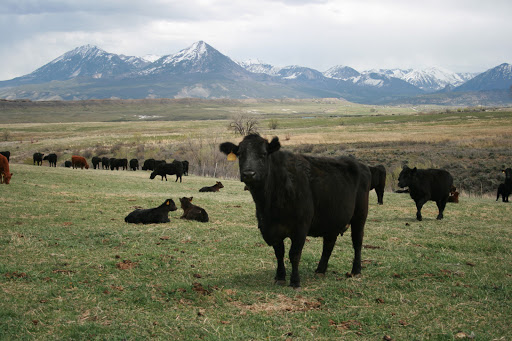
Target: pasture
{"x":71,"y":268}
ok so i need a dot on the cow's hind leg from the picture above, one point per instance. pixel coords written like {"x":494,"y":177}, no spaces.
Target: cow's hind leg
{"x":441,"y":204}
{"x":281,"y":271}
{"x":329,"y":243}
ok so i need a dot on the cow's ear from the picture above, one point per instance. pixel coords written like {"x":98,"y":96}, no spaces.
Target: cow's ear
{"x":414,"y":169}
{"x":168,"y":203}
{"x":190,"y":199}
{"x":228,"y":147}
{"x":274,"y":145}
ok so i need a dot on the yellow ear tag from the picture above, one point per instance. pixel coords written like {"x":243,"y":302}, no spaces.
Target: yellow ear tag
{"x":168,"y":203}
{"x":231,"y":156}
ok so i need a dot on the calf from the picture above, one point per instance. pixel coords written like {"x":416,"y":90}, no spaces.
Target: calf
{"x":378,"y":182}
{"x":505,"y":189}
{"x":96,"y":162}
{"x":155,"y":215}
{"x":298,"y":196}
{"x":7,"y":154}
{"x":5,"y":174}
{"x":454,"y":195}
{"x":214,"y":188}
{"x":79,"y":162}
{"x":175,"y":167}
{"x":105,"y":163}
{"x":425,"y":185}
{"x":134,"y":164}
{"x":52,"y":159}
{"x":192,"y":212}
{"x":38,"y":158}
{"x":67,"y":164}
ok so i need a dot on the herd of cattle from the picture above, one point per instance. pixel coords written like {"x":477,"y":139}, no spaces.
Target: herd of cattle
{"x":295,"y":195}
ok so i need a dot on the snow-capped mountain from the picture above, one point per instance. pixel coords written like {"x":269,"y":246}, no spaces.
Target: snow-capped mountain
{"x":198,"y":58}
{"x":341,"y":72}
{"x":257,"y":66}
{"x":84,"y":61}
{"x":497,"y":78}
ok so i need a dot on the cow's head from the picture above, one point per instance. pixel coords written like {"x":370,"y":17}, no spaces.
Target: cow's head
{"x":171,"y":206}
{"x":219,"y":184}
{"x":253,"y":153}
{"x":406,"y":176}
{"x":508,"y":173}
{"x":186,"y":202}
{"x":5,"y":177}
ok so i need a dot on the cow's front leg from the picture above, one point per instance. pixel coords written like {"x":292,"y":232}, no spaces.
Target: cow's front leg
{"x":419,"y":205}
{"x":295,"y":254}
{"x":329,"y":243}
{"x":281,"y":271}
{"x":441,"y":204}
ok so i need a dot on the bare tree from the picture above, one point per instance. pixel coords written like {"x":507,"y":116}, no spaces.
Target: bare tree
{"x":243,"y":124}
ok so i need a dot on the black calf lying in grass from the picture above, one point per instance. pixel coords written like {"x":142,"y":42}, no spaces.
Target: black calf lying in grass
{"x":214,"y":188}
{"x":155,"y":215}
{"x":192,"y":212}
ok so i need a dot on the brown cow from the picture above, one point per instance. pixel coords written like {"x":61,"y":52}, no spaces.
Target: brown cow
{"x":454,"y":195}
{"x":5,"y":175}
{"x":79,"y":162}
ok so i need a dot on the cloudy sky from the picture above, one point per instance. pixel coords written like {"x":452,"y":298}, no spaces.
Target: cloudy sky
{"x":458,"y":35}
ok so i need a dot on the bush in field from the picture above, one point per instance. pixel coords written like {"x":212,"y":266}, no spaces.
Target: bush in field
{"x":243,"y":124}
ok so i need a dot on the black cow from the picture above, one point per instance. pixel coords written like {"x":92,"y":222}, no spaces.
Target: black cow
{"x":52,"y":159}
{"x":298,"y":196}
{"x":134,"y":164}
{"x":378,"y":181}
{"x":150,"y":164}
{"x":67,"y":164}
{"x":118,"y":163}
{"x":105,"y":163}
{"x":96,"y":162}
{"x":425,"y":185}
{"x":7,"y":154}
{"x":185,"y":167}
{"x":214,"y":188}
{"x":38,"y":158}
{"x":505,"y":189}
{"x":193,"y":212}
{"x":155,"y":215}
{"x":175,"y":167}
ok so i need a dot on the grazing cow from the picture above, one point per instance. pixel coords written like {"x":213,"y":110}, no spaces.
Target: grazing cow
{"x":378,"y":182}
{"x":298,"y":196}
{"x":105,"y":163}
{"x":134,"y":164}
{"x":214,"y":188}
{"x":454,"y":195}
{"x":425,"y":185}
{"x":175,"y":167}
{"x":118,"y":163}
{"x":67,"y":164}
{"x":155,"y":215}
{"x":96,"y":162}
{"x":5,"y":174}
{"x":7,"y":154}
{"x":185,"y":167}
{"x":192,"y":212}
{"x":52,"y":159}
{"x":505,"y":189}
{"x":79,"y":162}
{"x":38,"y":158}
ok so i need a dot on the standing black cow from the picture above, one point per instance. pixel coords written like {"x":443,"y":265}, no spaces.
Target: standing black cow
{"x":96,"y":162}
{"x":378,"y":182}
{"x":505,"y":189}
{"x":162,"y":169}
{"x":52,"y":159}
{"x":134,"y":164}
{"x":425,"y":185}
{"x":298,"y":196}
{"x":38,"y":158}
{"x":118,"y":163}
{"x":105,"y":163}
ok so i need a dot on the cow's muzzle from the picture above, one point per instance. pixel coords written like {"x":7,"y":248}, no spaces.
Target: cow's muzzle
{"x":248,"y":176}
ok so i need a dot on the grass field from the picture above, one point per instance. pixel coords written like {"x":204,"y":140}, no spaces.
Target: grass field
{"x":71,"y":268}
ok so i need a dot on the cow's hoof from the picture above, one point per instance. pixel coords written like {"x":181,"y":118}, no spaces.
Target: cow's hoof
{"x":280,"y":282}
{"x":439,"y":217}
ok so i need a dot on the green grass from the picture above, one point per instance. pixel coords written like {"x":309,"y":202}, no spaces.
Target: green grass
{"x":63,"y":240}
